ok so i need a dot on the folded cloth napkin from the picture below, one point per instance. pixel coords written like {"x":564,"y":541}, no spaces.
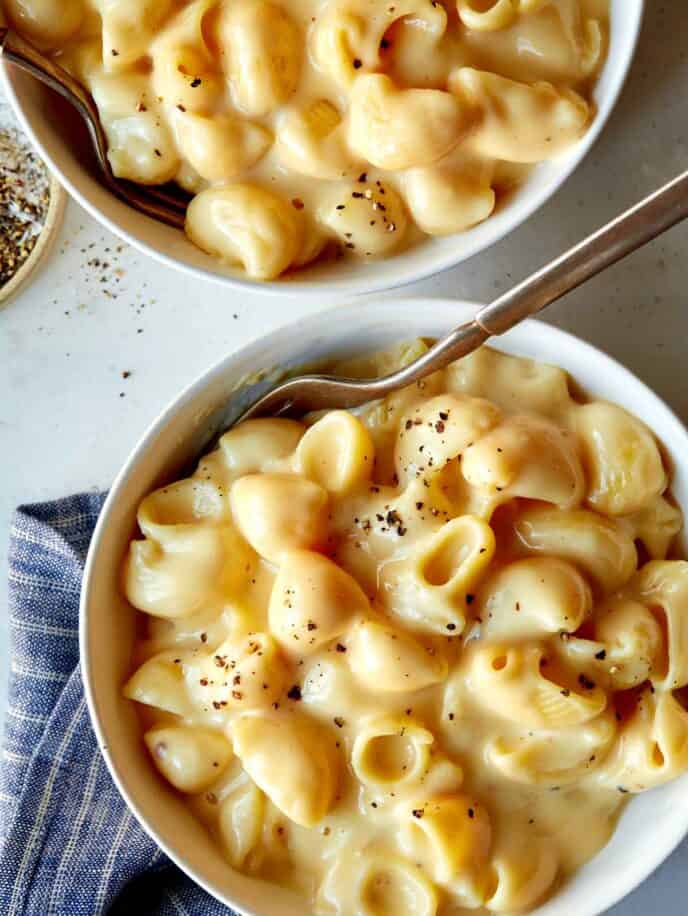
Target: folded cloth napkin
{"x":68,"y":844}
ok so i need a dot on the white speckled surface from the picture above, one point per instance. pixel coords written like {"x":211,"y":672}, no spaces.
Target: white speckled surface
{"x":68,"y":418}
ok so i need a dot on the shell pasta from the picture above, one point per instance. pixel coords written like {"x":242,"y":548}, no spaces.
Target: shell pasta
{"x":309,"y":130}
{"x":412,"y":660}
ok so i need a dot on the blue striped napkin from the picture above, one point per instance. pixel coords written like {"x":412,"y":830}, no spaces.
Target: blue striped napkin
{"x":68,"y":844}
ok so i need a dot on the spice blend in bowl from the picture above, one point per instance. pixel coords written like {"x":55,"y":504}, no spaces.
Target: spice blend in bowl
{"x":30,"y":205}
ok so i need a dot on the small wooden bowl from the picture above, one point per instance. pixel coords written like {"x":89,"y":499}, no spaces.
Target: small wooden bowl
{"x":41,"y":249}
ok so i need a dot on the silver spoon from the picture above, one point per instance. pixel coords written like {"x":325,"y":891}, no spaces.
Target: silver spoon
{"x":166,"y":206}
{"x":633,"y":229}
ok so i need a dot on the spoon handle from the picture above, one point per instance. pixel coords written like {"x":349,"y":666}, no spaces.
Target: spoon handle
{"x":623,"y":235}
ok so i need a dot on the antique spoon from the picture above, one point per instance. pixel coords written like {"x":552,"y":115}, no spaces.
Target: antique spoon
{"x":166,"y":206}
{"x":633,"y":229}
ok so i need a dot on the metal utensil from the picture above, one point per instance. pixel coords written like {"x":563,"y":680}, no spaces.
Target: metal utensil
{"x":166,"y":205}
{"x":628,"y":232}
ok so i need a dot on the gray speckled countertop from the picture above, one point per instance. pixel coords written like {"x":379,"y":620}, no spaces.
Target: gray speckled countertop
{"x":68,"y":418}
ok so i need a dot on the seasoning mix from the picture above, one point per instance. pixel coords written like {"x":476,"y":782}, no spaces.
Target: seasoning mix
{"x":24,"y":201}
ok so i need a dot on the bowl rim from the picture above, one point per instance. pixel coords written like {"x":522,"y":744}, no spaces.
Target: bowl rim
{"x":525,"y":208}
{"x":317,"y":323}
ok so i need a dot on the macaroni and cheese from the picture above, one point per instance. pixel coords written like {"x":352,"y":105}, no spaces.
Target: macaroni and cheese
{"x":307,"y":129}
{"x":413,"y":659}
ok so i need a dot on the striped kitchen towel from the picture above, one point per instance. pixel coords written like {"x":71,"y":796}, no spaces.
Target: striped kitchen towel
{"x":68,"y":844}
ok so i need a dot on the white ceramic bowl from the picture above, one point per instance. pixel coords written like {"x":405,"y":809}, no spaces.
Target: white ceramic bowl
{"x":652,"y":824}
{"x":55,"y":138}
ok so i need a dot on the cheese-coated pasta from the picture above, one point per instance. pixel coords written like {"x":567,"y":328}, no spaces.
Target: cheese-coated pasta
{"x":396,"y":128}
{"x":274,"y":525}
{"x":522,"y":874}
{"x":451,"y":835}
{"x":190,"y":758}
{"x":312,"y":141}
{"x":336,"y":452}
{"x":391,"y":752}
{"x":652,"y":746}
{"x":248,"y":225}
{"x":260,"y":445}
{"x":520,"y":122}
{"x":304,"y":784}
{"x":185,"y":76}
{"x":240,"y":823}
{"x":432,"y":588}
{"x":359,"y":885}
{"x":159,"y":682}
{"x":527,"y":457}
{"x":662,"y":587}
{"x":439,"y":429}
{"x":386,"y":659}
{"x":602,"y":548}
{"x":533,"y":597}
{"x":369,"y":218}
{"x":443,"y":200}
{"x":524,"y":685}
{"x":553,"y":758}
{"x":48,"y":22}
{"x":622,"y":462}
{"x":312,"y":601}
{"x":263,"y":47}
